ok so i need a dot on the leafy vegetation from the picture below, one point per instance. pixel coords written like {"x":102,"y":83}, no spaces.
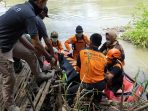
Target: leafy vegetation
{"x":138,"y":33}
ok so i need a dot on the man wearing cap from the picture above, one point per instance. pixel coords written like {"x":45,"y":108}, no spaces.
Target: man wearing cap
{"x":79,"y":41}
{"x":12,"y":25}
{"x":55,"y":42}
{"x":43,"y":33}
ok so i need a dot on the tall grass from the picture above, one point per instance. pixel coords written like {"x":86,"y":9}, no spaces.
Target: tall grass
{"x":138,"y":33}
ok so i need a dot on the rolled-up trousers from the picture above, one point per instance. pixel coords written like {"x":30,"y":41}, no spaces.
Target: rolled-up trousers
{"x":7,"y":70}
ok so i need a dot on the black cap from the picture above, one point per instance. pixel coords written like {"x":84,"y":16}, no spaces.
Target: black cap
{"x":79,"y":29}
{"x":96,"y":39}
{"x":45,"y":10}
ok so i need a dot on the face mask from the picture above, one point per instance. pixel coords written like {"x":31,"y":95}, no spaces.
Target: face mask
{"x":54,"y":40}
{"x":79,"y":35}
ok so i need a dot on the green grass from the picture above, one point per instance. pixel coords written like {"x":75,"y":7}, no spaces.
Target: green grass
{"x":138,"y":34}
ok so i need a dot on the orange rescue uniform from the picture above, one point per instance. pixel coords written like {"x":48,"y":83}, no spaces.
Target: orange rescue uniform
{"x":58,"y":45}
{"x":92,"y":66}
{"x":77,"y":44}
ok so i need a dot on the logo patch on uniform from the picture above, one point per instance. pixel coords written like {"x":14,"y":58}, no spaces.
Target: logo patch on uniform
{"x":17,"y":9}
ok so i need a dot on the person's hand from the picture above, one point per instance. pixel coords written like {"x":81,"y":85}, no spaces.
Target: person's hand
{"x":109,"y":76}
{"x":38,"y":53}
{"x":53,"y":62}
{"x":67,"y":51}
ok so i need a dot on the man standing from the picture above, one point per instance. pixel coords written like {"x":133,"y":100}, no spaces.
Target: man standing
{"x":12,"y":26}
{"x":79,"y":41}
{"x":43,"y":34}
{"x":42,"y":29}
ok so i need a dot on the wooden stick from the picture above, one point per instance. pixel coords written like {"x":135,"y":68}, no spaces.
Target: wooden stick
{"x":142,"y":107}
{"x":39,"y":94}
{"x":30,"y":100}
{"x":121,"y":103}
{"x":44,"y":93}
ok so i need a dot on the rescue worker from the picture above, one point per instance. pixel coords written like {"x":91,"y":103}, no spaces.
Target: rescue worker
{"x":55,"y":42}
{"x":112,"y":42}
{"x":79,"y":41}
{"x":114,"y":73}
{"x":42,"y":34}
{"x":56,"y":45}
{"x":12,"y":25}
{"x":42,"y":29}
{"x":92,"y":65}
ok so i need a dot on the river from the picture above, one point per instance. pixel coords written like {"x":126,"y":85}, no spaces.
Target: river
{"x":94,"y":16}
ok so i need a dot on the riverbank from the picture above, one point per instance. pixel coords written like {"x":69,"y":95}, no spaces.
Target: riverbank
{"x":137,"y":34}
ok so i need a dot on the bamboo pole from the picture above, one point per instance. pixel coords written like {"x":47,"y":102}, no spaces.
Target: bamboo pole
{"x":142,"y":107}
{"x":28,"y":95}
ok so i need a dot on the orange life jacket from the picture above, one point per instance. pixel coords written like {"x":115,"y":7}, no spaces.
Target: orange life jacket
{"x":58,"y":45}
{"x":92,"y":66}
{"x":77,"y":45}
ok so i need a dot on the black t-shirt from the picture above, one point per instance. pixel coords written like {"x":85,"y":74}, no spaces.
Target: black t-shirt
{"x":41,"y":28}
{"x":13,"y":24}
{"x":118,"y":74}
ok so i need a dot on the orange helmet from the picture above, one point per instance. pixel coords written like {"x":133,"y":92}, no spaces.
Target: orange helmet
{"x":113,"y":54}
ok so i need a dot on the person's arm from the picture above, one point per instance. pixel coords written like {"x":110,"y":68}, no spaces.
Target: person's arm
{"x":78,"y":67}
{"x":43,"y":32}
{"x":87,"y":40}
{"x":78,"y":61}
{"x":122,"y":53}
{"x":116,"y":71}
{"x":32,"y":30}
{"x":60,"y":45}
{"x":67,"y":42}
{"x":26,"y":43}
{"x":38,"y":45}
{"x":47,"y":42}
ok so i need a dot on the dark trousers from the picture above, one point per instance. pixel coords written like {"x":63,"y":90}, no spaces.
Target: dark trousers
{"x":96,"y":87}
{"x":116,"y":84}
{"x":71,"y":93}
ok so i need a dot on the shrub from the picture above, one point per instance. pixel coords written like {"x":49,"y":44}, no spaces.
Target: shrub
{"x":138,"y":34}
